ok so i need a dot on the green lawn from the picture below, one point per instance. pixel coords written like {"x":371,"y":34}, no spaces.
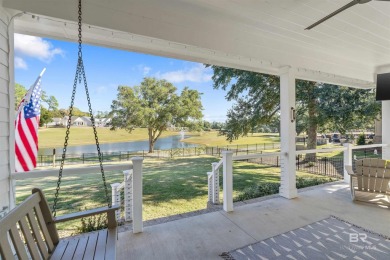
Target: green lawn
{"x":171,"y":186}
{"x":54,"y":137}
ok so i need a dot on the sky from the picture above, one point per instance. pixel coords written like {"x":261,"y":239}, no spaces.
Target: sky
{"x":106,"y":69}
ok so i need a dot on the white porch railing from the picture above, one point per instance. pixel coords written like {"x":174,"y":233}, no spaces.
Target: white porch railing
{"x":227,"y":163}
{"x":132,"y":189}
{"x":132,"y":186}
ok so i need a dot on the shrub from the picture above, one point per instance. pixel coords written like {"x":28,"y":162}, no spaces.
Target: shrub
{"x":255,"y":191}
{"x":270,"y":188}
{"x":307,"y":182}
{"x":361,"y":139}
{"x":92,"y":223}
{"x":311,"y":164}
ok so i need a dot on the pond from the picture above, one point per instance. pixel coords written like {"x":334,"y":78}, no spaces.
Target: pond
{"x":163,"y":143}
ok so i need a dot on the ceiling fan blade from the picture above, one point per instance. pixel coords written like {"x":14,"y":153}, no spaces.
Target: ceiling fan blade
{"x":354,"y":2}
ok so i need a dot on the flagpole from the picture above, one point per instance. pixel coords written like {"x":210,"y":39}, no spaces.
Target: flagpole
{"x":12,"y":182}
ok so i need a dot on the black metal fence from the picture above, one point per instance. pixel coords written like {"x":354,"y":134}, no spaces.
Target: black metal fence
{"x":321,"y":165}
{"x":241,"y":149}
{"x":326,"y":166}
{"x":90,"y":158}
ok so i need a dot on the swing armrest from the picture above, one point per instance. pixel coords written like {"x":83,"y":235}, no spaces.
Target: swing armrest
{"x":349,"y":170}
{"x":110,"y":215}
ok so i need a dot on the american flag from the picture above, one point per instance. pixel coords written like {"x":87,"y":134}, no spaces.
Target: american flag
{"x":26,"y":128}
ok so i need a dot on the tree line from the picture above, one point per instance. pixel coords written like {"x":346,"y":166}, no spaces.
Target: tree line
{"x":50,"y":108}
{"x":155,"y":104}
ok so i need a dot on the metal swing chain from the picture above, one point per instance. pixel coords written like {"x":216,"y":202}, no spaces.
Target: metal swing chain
{"x":80,"y":73}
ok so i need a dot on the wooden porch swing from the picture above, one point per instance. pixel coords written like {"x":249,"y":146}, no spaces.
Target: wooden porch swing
{"x":29,"y":230}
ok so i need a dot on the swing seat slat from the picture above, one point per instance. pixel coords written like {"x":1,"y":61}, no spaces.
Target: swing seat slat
{"x":29,"y":232}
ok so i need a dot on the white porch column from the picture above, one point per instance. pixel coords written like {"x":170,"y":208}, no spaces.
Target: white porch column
{"x":386,"y":129}
{"x":347,"y":160}
{"x":137,"y":194}
{"x":227,"y":180}
{"x":288,"y":132}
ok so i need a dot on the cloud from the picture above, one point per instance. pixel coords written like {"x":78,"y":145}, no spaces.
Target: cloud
{"x":20,"y":63}
{"x":144,"y":69}
{"x":35,"y":47}
{"x":100,"y":90}
{"x":194,"y":74}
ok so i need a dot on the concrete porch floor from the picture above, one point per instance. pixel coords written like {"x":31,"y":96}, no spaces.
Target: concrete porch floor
{"x":208,"y":235}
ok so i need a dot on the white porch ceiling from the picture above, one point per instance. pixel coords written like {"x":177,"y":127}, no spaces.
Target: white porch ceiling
{"x":257,"y":35}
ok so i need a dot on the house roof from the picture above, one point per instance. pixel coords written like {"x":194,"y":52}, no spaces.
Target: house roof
{"x":262,"y":36}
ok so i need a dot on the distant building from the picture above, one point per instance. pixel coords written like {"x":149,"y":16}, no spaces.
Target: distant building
{"x":102,"y":122}
{"x":80,"y":121}
{"x":56,"y":121}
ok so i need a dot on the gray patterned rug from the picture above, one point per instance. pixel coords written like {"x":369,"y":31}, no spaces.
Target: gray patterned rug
{"x":330,"y":239}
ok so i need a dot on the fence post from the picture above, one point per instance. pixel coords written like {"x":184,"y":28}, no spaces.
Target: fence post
{"x":277,"y":161}
{"x":128,"y":194}
{"x":347,"y":160}
{"x":137,"y":194}
{"x":298,"y":160}
{"x":116,"y":198}
{"x":54,"y":157}
{"x":215,"y":183}
{"x":83,"y":158}
{"x":261,"y":158}
{"x":326,"y":164}
{"x":227,"y":181}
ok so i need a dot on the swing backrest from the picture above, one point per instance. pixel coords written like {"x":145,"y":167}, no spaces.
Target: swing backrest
{"x":372,"y":175}
{"x":25,"y":232}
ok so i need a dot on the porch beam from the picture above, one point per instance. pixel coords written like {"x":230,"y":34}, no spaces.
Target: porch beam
{"x":287,"y":129}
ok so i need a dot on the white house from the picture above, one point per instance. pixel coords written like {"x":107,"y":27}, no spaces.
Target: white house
{"x":84,"y":121}
{"x":102,"y":122}
{"x":56,"y":121}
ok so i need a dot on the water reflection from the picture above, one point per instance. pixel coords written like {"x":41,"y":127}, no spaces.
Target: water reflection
{"x":161,"y":144}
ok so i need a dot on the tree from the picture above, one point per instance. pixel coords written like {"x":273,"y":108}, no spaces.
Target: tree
{"x":51,"y":102}
{"x":217,"y":125}
{"x":20,"y":92}
{"x":154,"y":105}
{"x":319,"y":106}
{"x":361,"y":139}
{"x":76,"y":112}
{"x":101,"y":114}
{"x":45,"y":117}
